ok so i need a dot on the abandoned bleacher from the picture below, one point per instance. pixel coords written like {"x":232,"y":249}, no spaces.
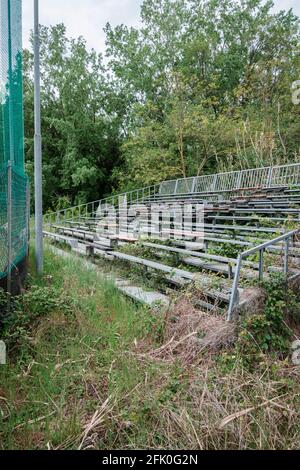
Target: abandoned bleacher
{"x":221,"y":233}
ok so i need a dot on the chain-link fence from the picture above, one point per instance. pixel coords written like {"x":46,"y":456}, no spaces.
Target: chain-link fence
{"x":14,"y":200}
{"x":14,"y":219}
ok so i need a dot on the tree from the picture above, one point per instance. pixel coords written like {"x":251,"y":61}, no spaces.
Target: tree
{"x":214,"y":79}
{"x":80,"y":126}
{"x":200,"y":87}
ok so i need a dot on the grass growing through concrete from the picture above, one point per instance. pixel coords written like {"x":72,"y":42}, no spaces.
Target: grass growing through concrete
{"x":89,"y":369}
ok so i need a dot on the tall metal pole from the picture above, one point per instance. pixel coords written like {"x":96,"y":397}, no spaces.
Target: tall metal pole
{"x":37,"y":146}
{"x":10,"y":85}
{"x":9,"y":230}
{"x":11,"y":160}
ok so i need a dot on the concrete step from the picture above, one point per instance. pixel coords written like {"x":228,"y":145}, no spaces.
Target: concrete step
{"x":220,"y":268}
{"x":151,"y":298}
{"x":174,"y":275}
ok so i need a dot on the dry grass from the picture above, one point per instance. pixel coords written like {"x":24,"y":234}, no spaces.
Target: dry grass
{"x":225,"y":405}
{"x":189,"y":332}
{"x":113,"y":376}
{"x":235,"y":411}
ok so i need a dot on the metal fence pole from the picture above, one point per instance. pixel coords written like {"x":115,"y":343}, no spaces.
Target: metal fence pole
{"x":269,"y":181}
{"x":9,"y":226}
{"x":176,"y":185}
{"x":286,"y":256}
{"x":234,"y":291}
{"x":261,"y":265}
{"x":194,"y":184}
{"x":239,"y":181}
{"x":28,"y":213}
{"x":214,"y":186}
{"x":37,"y":146}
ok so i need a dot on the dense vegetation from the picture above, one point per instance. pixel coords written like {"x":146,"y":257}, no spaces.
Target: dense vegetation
{"x":89,"y":369}
{"x":201,"y":87}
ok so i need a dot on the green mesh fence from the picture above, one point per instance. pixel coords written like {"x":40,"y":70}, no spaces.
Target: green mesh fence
{"x":14,"y":207}
{"x":13,"y":181}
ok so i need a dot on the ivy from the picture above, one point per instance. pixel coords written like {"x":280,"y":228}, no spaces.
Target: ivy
{"x":269,"y":331}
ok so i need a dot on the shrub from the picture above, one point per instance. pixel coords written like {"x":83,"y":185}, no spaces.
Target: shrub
{"x":269,"y":332}
{"x":26,"y":310}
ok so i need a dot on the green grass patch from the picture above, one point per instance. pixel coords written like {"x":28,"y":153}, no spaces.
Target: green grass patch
{"x":89,"y":369}
{"x":69,"y":347}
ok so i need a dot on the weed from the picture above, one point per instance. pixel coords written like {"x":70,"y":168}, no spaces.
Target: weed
{"x":269,"y":332}
{"x":225,"y":249}
{"x":147,"y":380}
{"x":28,"y":308}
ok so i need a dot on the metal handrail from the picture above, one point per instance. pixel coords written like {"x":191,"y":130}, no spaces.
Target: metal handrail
{"x":261,"y":249}
{"x":134,"y":196}
{"x":264,"y":177}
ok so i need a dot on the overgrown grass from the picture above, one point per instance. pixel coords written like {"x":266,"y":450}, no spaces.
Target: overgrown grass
{"x":90,"y":369}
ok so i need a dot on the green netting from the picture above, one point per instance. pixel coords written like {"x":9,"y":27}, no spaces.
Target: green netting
{"x":19,"y":219}
{"x":11,"y":88}
{"x":12,"y":138}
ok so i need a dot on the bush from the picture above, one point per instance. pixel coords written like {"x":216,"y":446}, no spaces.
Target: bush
{"x":27,"y":309}
{"x":269,"y":332}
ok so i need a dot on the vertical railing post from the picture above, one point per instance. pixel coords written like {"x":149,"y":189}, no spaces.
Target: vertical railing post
{"x":286,"y":256}
{"x":269,"y":183}
{"x":38,"y":145}
{"x":176,"y":186}
{"x":234,"y":290}
{"x":261,"y":264}
{"x":27,"y":214}
{"x":9,"y":226}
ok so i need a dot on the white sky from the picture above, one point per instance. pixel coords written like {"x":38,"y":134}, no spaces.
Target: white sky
{"x":87,"y":18}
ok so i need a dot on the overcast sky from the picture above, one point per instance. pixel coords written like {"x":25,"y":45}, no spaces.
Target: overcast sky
{"x":87,"y":18}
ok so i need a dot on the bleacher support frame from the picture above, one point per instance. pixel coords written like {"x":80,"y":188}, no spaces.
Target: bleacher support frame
{"x":287,"y":237}
{"x":255,"y":178}
{"x":269,"y":195}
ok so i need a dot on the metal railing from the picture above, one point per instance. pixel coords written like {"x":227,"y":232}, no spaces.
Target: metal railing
{"x":284,"y":175}
{"x":14,"y":220}
{"x":93,"y":208}
{"x":286,"y":238}
{"x":265,"y":177}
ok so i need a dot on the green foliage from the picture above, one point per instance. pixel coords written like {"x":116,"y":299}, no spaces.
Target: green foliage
{"x":80,"y":120}
{"x":200,"y":87}
{"x":27,"y":309}
{"x":268,"y":332}
{"x":208,"y":87}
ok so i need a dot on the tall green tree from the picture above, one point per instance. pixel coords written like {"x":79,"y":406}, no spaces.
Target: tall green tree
{"x":201,"y":86}
{"x":80,"y":123}
{"x":209,"y":86}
